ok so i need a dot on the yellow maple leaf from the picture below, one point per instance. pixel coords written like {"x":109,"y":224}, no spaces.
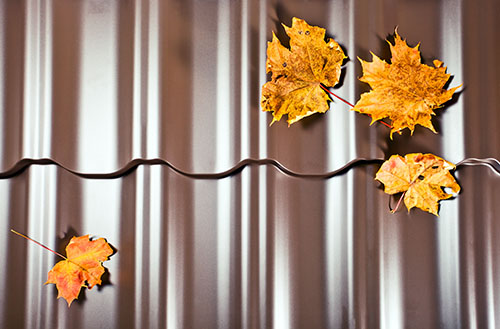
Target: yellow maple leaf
{"x":405,"y":91}
{"x":421,"y":177}
{"x":297,"y":74}
{"x":82,"y":264}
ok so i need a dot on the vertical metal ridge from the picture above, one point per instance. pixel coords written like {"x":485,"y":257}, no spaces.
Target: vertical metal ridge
{"x":282,"y":304}
{"x":204,"y":77}
{"x":246,"y":308}
{"x":224,"y":236}
{"x":37,"y":80}
{"x":153,"y":127}
{"x":66,"y":81}
{"x":224,"y":76}
{"x":336,"y":246}
{"x":41,"y":214}
{"x":3,"y":76}
{"x":247,"y":284}
{"x":141,"y":296}
{"x":468,"y":265}
{"x":391,"y":280}
{"x":152,"y":257}
{"x":452,"y":49}
{"x":46,"y":79}
{"x":263,"y":288}
{"x":339,"y":219}
{"x":178,"y":210}
{"x":352,"y":85}
{"x":339,"y":143}
{"x":6,"y":211}
{"x":263,"y":117}
{"x":97,"y":102}
{"x":245,"y":103}
{"x":140,"y":86}
{"x":448,"y":227}
{"x":489,"y":276}
{"x":31,"y":97}
{"x":352,"y":310}
{"x":173,"y":259}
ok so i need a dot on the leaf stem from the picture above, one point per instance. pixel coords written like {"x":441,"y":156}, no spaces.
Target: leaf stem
{"x":38,"y":243}
{"x":328,"y":91}
{"x":343,"y":100}
{"x":399,"y":202}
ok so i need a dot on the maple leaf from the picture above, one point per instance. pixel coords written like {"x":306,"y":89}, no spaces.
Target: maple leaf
{"x":421,"y":177}
{"x":406,"y":91}
{"x":297,"y":74}
{"x":82,"y":264}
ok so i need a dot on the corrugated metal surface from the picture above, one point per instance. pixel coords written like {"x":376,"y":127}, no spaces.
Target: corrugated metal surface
{"x":94,"y":84}
{"x":256,"y":249}
{"x":97,"y":85}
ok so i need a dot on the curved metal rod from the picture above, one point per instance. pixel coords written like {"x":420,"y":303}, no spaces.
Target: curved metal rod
{"x":492,"y":163}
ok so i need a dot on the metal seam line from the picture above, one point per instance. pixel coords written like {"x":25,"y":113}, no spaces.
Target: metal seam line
{"x":23,"y":164}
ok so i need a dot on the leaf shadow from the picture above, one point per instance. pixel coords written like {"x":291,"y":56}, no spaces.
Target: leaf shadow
{"x":343,"y":67}
{"x":401,"y":144}
{"x":106,"y":277}
{"x":62,"y":242}
{"x":82,"y":297}
{"x":344,"y":62}
{"x":283,"y":17}
{"x":383,"y":51}
{"x":441,"y":110}
{"x":309,"y":122}
{"x":105,"y":280}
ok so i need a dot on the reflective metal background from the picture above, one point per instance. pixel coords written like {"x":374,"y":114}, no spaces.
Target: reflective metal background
{"x":96,"y":84}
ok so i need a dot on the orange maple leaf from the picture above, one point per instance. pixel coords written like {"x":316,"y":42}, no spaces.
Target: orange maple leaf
{"x":421,"y":177}
{"x":297,"y":74}
{"x":406,"y":91}
{"x":82,"y":264}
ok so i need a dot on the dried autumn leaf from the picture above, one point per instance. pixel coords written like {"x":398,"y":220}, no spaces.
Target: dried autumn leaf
{"x":83,"y":264}
{"x":406,"y":91}
{"x":297,"y":74}
{"x":421,"y":177}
